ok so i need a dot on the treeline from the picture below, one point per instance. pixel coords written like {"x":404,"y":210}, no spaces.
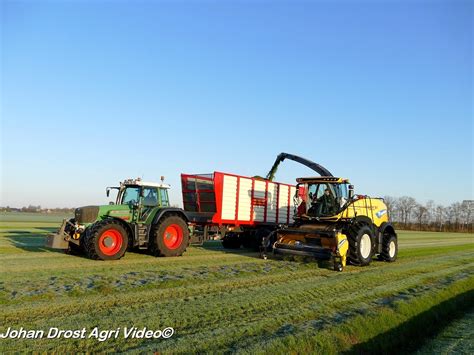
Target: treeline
{"x":36,"y":209}
{"x":407,"y":213}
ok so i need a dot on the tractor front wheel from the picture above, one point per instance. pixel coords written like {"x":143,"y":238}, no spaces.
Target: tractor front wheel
{"x":171,"y":236}
{"x":106,"y":240}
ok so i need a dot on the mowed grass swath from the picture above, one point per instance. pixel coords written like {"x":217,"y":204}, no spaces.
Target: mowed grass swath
{"x":217,"y":300}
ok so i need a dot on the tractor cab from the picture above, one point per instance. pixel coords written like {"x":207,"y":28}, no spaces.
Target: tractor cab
{"x":135,"y":192}
{"x":322,"y":196}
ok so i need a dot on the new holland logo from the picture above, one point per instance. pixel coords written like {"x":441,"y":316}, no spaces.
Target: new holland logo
{"x":380,"y":213}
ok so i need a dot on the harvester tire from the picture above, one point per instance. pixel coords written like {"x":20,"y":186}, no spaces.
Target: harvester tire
{"x":231,"y":241}
{"x":106,"y":240}
{"x":361,"y":244}
{"x":389,"y":248}
{"x":170,"y":236}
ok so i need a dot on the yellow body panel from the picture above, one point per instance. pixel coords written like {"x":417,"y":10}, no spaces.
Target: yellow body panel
{"x":341,"y":249}
{"x":373,"y":208}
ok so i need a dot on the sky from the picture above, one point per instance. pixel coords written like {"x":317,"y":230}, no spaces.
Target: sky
{"x":94,"y":92}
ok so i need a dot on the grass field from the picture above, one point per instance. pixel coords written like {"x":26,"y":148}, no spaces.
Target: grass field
{"x":222,"y":301}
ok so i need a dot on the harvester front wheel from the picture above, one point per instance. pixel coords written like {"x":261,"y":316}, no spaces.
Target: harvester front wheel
{"x":107,"y":240}
{"x":361,"y":245}
{"x":389,"y":248}
{"x":171,"y":237}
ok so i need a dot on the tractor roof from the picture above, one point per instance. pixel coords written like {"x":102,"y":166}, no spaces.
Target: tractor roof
{"x":139,"y":182}
{"x":322,"y":179}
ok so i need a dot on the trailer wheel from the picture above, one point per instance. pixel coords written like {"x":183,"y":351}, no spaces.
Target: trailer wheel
{"x":231,"y":241}
{"x":248,"y":240}
{"x":107,"y":240}
{"x":389,"y":248}
{"x":361,"y":244}
{"x":171,"y":236}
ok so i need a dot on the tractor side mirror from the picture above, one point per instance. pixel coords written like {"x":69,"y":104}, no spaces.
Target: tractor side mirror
{"x":107,"y":191}
{"x":351,"y":192}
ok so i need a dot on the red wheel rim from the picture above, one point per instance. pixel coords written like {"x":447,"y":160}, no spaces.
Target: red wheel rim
{"x":173,"y":236}
{"x":110,"y":242}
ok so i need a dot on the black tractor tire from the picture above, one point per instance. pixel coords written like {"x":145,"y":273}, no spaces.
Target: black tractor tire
{"x":389,"y":248}
{"x":360,"y":253}
{"x":231,"y":241}
{"x":106,"y":240}
{"x":170,"y":236}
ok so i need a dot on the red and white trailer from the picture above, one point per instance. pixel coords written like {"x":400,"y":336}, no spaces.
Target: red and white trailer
{"x":242,"y":208}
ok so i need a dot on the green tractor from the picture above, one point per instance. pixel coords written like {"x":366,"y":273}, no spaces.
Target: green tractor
{"x":141,"y":218}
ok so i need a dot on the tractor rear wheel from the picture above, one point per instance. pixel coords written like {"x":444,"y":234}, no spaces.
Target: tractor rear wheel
{"x":171,"y":236}
{"x":361,"y":244}
{"x":389,"y":248}
{"x":107,"y":240}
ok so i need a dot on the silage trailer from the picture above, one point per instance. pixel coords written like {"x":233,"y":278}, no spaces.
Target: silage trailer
{"x":243,"y":210}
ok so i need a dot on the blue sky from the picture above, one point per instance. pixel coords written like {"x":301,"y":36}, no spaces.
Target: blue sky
{"x":94,"y":92}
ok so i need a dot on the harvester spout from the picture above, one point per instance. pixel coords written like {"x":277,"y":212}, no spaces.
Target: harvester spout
{"x":310,"y":164}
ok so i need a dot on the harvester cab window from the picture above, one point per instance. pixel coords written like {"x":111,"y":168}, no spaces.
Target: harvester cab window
{"x":164,"y":197}
{"x":130,"y":195}
{"x":342,"y":194}
{"x":323,"y":201}
{"x":150,"y":196}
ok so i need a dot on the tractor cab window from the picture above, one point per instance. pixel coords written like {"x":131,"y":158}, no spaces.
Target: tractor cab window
{"x":164,"y":197}
{"x":150,"y":196}
{"x":131,"y":195}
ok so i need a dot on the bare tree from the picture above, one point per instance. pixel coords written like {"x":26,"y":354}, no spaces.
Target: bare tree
{"x":391,"y":203}
{"x":439,"y":219}
{"x":406,"y":204}
{"x":421,"y":213}
{"x":431,"y":211}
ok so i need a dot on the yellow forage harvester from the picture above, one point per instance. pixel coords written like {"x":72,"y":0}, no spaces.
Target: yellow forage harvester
{"x":334,"y":223}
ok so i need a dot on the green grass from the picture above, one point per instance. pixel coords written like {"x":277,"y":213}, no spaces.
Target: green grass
{"x":219,"y":301}
{"x":457,"y":338}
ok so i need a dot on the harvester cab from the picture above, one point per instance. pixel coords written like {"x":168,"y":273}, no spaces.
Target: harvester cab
{"x":322,"y":196}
